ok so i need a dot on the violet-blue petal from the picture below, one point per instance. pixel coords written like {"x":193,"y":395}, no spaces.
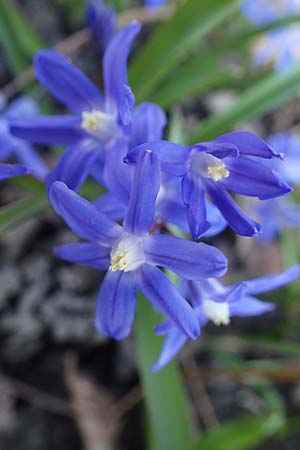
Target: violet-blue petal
{"x":270,"y":282}
{"x":173,"y":212}
{"x":248,"y":144}
{"x":12,"y":170}
{"x":218,"y":149}
{"x":164,"y":328}
{"x":236,"y":218}
{"x":171,"y":346}
{"x":216,"y":220}
{"x":23,"y":106}
{"x":110,"y":205}
{"x":254,"y":179}
{"x":7,"y":145}
{"x":117,"y":92}
{"x":164,"y":296}
{"x":117,"y":176}
{"x":145,"y":187}
{"x":116,"y":304}
{"x":66,"y":82}
{"x":28,"y":156}
{"x":102,"y":21}
{"x":249,"y":306}
{"x":74,"y":164}
{"x":155,"y":3}
{"x":89,"y":254}
{"x":47,"y":129}
{"x":82,"y":216}
{"x":191,"y":260}
{"x":148,"y":124}
{"x":173,"y":157}
{"x":193,"y":196}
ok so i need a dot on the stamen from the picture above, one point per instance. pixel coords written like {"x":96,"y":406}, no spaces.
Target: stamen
{"x":217,"y":312}
{"x":98,"y":123}
{"x":218,"y":172}
{"x":128,"y":254}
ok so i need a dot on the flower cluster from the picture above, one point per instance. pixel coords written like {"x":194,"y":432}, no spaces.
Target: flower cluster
{"x":281,"y":46}
{"x":151,"y":185}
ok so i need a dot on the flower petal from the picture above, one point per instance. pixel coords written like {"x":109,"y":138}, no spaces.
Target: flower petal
{"x":237,"y":220}
{"x":108,"y":204}
{"x":193,"y":198}
{"x":12,"y":170}
{"x":146,"y":184}
{"x":30,"y":158}
{"x":117,"y":92}
{"x":191,"y":260}
{"x":47,"y":129}
{"x":173,"y":157}
{"x":92,"y":255}
{"x":82,"y":216}
{"x":254,"y":179}
{"x":249,"y":306}
{"x":270,"y":282}
{"x":216,"y":220}
{"x":149,"y":121}
{"x":102,"y":21}
{"x":249,"y":144}
{"x":74,"y":164}
{"x":116,"y":304}
{"x":171,"y":346}
{"x":66,"y":82}
{"x":164,"y":296}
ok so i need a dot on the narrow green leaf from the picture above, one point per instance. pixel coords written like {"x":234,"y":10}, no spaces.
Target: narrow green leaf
{"x":241,"y":434}
{"x":164,"y":393}
{"x":171,"y":43}
{"x":257,"y":100}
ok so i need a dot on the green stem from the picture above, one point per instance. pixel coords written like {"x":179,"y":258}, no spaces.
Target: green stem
{"x":165,"y":400}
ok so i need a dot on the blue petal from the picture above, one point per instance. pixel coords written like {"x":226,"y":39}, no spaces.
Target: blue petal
{"x":173,"y":157}
{"x":111,"y":206}
{"x":82,"y":216}
{"x":117,"y":92}
{"x":117,"y":176}
{"x":249,"y":144}
{"x":65,"y":82}
{"x":7,"y":144}
{"x":149,"y":121}
{"x":92,"y":255}
{"x":12,"y":170}
{"x":251,"y":178}
{"x":116,"y":304}
{"x":219,"y":150}
{"x":171,"y":346}
{"x":165,"y":297}
{"x":30,"y":158}
{"x":47,"y":129}
{"x":270,"y":282}
{"x":155,"y":3}
{"x":216,"y":220}
{"x":23,"y":106}
{"x":249,"y":306}
{"x":146,"y":184}
{"x":237,"y":220}
{"x":193,"y":198}
{"x":74,"y":164}
{"x":102,"y":21}
{"x":188,"y":259}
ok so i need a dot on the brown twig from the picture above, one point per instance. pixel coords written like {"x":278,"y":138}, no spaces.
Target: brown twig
{"x":77,"y":41}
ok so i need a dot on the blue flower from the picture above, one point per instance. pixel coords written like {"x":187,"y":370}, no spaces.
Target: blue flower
{"x":12,"y":147}
{"x":263,"y":12}
{"x":131,"y":254}
{"x":97,"y":122}
{"x":213,"y":167}
{"x":155,"y":3}
{"x":275,"y":216}
{"x":217,"y":303}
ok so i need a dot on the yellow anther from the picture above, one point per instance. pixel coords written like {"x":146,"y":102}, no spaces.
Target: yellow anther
{"x":218,"y":172}
{"x":91,"y":120}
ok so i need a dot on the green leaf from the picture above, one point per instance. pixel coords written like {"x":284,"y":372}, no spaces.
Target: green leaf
{"x":171,"y":43}
{"x":259,"y":99}
{"x":163,"y":390}
{"x":240,"y":434}
{"x":22,"y":210}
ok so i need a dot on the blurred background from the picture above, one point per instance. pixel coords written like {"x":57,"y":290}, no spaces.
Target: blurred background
{"x":64,"y":386}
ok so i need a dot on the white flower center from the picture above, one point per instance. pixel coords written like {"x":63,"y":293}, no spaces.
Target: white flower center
{"x":207,"y":165}
{"x":127,"y":254}
{"x":217,"y":312}
{"x":98,"y":123}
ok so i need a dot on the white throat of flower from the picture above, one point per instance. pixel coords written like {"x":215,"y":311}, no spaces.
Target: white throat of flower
{"x":127,"y":254}
{"x":207,"y":165}
{"x":98,"y":123}
{"x":217,"y":312}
